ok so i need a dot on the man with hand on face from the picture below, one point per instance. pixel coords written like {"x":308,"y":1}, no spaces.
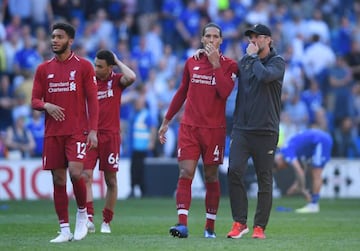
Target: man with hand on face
{"x":206,"y":85}
{"x":255,"y":129}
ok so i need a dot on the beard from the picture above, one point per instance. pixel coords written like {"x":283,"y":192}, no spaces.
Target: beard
{"x":62,"y":49}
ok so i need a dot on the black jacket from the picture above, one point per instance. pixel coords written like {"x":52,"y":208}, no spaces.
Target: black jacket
{"x":258,"y":101}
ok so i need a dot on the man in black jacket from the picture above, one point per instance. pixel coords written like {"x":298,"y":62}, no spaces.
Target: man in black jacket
{"x":255,"y":129}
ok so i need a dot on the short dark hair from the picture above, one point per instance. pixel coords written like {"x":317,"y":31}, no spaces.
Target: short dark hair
{"x":211,"y":25}
{"x":106,"y":55}
{"x":69,"y":29}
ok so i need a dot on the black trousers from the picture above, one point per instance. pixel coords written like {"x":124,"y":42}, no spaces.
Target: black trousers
{"x":261,"y":147}
{"x":138,"y":169}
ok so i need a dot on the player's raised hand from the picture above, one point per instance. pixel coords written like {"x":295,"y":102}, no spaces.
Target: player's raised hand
{"x":55,"y":111}
{"x":252,"y":48}
{"x":213,"y":55}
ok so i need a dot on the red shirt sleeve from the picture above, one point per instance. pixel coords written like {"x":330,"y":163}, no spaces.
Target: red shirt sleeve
{"x":180,"y":95}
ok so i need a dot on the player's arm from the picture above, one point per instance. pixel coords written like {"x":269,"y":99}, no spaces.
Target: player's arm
{"x":37,"y":95}
{"x":175,"y":105}
{"x":129,"y":75}
{"x":300,"y":178}
{"x":225,"y":79}
{"x":92,"y":103}
{"x":37,"y":98}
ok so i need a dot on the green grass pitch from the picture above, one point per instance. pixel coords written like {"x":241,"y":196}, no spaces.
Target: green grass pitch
{"x":142,"y":224}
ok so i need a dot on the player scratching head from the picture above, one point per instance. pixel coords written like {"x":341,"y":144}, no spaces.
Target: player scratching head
{"x":62,"y":38}
{"x":104,"y":62}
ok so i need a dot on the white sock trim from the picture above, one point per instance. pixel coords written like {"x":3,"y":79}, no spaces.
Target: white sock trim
{"x":82,"y":210}
{"x":211,"y":216}
{"x":182,"y":211}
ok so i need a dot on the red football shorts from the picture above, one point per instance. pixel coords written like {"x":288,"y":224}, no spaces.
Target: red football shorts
{"x":59,"y":150}
{"x":108,"y":152}
{"x":209,"y":143}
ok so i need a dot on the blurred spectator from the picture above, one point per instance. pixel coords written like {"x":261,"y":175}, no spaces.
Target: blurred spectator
{"x":14,"y":27}
{"x":61,"y":9}
{"x":43,"y":42}
{"x":147,"y":14}
{"x":168,"y":149}
{"x":318,"y":57}
{"x":36,"y":125}
{"x":11,"y":46}
{"x":170,"y":12}
{"x":143,"y":59}
{"x":2,"y":55}
{"x":19,"y":140}
{"x":286,"y":128}
{"x":297,"y":111}
{"x":7,"y":102}
{"x":41,"y":14}
{"x":103,"y":29}
{"x":125,"y":29}
{"x":171,"y":60}
{"x":152,"y":97}
{"x":21,"y":109}
{"x":317,"y":25}
{"x":21,"y":9}
{"x":143,"y":133}
{"x":188,"y":24}
{"x":339,"y":100}
{"x":353,"y":59}
{"x":154,"y":43}
{"x":258,"y":13}
{"x":230,"y":29}
{"x":341,"y":41}
{"x":345,"y":144}
{"x":27,"y":58}
{"x":313,"y":99}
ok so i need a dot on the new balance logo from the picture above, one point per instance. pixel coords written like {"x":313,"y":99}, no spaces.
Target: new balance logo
{"x":50,"y":75}
{"x":196,"y":68}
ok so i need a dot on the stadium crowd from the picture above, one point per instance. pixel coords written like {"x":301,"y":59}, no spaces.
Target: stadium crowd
{"x":319,"y":39}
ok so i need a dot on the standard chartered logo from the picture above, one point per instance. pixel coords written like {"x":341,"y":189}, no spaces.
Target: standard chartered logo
{"x":62,"y":87}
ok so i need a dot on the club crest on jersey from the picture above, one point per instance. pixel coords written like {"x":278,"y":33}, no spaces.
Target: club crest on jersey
{"x":110,"y":90}
{"x":72,"y":75}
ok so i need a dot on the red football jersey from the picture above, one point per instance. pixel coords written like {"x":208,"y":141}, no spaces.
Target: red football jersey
{"x":70,"y":84}
{"x":205,"y":90}
{"x":109,"y":96}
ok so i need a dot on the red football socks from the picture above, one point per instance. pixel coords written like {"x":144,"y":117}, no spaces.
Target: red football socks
{"x":61,"y":202}
{"x":212,"y":200}
{"x":183,"y":199}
